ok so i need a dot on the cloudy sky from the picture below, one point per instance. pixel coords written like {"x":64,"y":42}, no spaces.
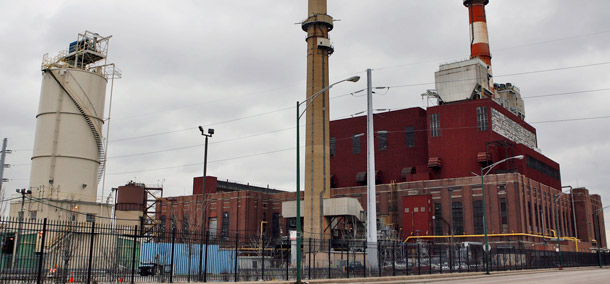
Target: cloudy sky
{"x":239,"y":67}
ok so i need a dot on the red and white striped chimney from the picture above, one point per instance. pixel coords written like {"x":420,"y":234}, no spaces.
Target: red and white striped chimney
{"x":479,"y":38}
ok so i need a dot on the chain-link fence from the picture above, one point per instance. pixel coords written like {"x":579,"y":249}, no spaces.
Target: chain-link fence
{"x":41,"y":251}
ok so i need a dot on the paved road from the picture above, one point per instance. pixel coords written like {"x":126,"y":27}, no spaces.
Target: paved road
{"x":568,"y":276}
{"x":550,"y":277}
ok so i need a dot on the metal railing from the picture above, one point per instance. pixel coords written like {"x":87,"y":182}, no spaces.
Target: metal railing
{"x":66,"y":252}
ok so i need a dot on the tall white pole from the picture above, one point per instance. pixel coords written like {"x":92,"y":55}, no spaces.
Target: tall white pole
{"x":371,"y":201}
{"x":2,"y":156}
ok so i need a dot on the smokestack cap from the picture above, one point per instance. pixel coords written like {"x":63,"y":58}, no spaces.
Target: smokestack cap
{"x":467,"y":3}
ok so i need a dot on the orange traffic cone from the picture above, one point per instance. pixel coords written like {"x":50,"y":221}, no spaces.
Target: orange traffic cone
{"x":71,"y":278}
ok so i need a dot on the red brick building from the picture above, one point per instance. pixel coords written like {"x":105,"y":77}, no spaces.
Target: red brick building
{"x":427,"y":164}
{"x":429,"y":161}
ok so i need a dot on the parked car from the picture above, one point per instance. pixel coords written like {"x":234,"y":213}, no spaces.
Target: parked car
{"x":148,"y":269}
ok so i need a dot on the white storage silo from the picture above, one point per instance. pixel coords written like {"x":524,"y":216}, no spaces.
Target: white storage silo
{"x":68,"y":155}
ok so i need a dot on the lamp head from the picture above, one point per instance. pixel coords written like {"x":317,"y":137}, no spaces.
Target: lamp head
{"x":211,"y":131}
{"x":201,"y":129}
{"x":353,"y":79}
{"x":520,"y":157}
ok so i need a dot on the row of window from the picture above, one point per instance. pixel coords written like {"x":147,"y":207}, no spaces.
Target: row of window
{"x":457,"y":217}
{"x":34,"y":214}
{"x":541,"y":217}
{"x":382,"y":141}
{"x":541,"y":167}
{"x":482,"y":122}
{"x":435,"y":131}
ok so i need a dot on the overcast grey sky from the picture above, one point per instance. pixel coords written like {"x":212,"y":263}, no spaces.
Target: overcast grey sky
{"x":239,"y":67}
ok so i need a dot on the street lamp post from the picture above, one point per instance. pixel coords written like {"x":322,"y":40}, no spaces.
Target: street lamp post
{"x":298,"y":197}
{"x":205,"y":162}
{"x":599,"y":236}
{"x":484,"y":172}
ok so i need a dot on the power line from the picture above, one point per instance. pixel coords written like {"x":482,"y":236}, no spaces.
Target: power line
{"x":566,"y":93}
{"x":505,"y":75}
{"x":345,"y":138}
{"x":290,"y":128}
{"x":395,"y":86}
{"x":496,"y":50}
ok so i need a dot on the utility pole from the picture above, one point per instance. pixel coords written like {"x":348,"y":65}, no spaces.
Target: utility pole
{"x":2,"y":165}
{"x":371,"y":196}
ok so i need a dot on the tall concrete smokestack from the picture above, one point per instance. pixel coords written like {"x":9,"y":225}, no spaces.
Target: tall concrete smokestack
{"x":479,"y":36}
{"x":317,"y":153}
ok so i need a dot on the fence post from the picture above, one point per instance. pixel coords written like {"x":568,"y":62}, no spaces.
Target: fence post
{"x":365,"y":253}
{"x":309,"y":261}
{"x":263,"y":257}
{"x":459,"y":252}
{"x":40,"y":260}
{"x":393,"y":257}
{"x":91,"y":252}
{"x":347,"y":262}
{"x":201,"y":240}
{"x":236,"y":253}
{"x":468,"y":258}
{"x":430,"y":259}
{"x":418,"y":260}
{"x":329,"y":245}
{"x":171,"y":264}
{"x":379,"y":258}
{"x":406,"y":246}
{"x":288,"y":255}
{"x":205,"y":264}
{"x":133,"y":254}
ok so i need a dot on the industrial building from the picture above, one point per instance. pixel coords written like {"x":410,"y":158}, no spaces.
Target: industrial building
{"x":428,"y":166}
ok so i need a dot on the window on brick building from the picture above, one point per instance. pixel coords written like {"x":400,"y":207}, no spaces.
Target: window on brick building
{"x":435,"y":126}
{"x":482,"y":120}
{"x":275,"y":225}
{"x":173,"y":220}
{"x":477,"y":211}
{"x":458,"y":218}
{"x":163,"y":224}
{"x":356,"y":144}
{"x":224,"y":231}
{"x":213,"y":228}
{"x":382,"y":140}
{"x":185,"y":223}
{"x":438,"y":218}
{"x":548,"y":218}
{"x":529,"y":216}
{"x":333,"y":147}
{"x":410,"y":136}
{"x":536,"y":217}
{"x":504,"y":215}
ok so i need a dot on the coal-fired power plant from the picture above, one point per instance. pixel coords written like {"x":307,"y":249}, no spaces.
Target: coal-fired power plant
{"x":68,"y":155}
{"x":317,"y":152}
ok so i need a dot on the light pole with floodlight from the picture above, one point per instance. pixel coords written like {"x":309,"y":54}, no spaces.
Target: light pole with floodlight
{"x":484,"y":172}
{"x":298,"y":197}
{"x":205,"y":162}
